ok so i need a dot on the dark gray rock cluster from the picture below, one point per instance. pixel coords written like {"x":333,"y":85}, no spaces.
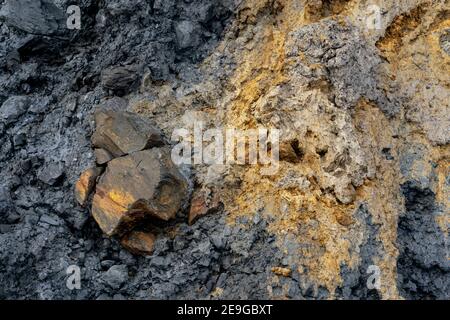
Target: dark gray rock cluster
{"x":41,"y":17}
{"x":423,"y":262}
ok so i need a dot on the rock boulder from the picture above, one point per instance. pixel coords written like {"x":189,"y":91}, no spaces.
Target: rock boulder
{"x":142,"y":184}
{"x":121,"y":133}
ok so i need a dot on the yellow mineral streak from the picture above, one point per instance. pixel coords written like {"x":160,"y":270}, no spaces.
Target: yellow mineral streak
{"x":261,"y":70}
{"x":327,"y":246}
{"x":121,"y":198}
{"x":106,"y":212}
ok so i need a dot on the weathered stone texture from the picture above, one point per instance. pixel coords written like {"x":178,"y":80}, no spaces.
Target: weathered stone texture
{"x":144,"y":183}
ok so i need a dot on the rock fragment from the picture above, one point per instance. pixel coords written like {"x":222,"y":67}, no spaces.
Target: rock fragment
{"x":122,"y":133}
{"x":280,"y":271}
{"x":118,"y":78}
{"x":344,"y":218}
{"x":140,"y":180}
{"x":40,"y":17}
{"x":201,"y":205}
{"x":19,"y":139}
{"x":142,"y":184}
{"x":12,"y":60}
{"x":139,"y":242}
{"x":85,"y":184}
{"x":116,"y":276}
{"x":292,"y":180}
{"x":13,"y":108}
{"x":49,"y":220}
{"x":102,"y":156}
{"x":52,"y":173}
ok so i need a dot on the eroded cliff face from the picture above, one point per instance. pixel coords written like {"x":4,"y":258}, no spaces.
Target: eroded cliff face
{"x":354,"y":106}
{"x":362,"y":185}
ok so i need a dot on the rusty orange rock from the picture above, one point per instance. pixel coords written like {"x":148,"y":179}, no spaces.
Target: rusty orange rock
{"x":85,"y":184}
{"x":139,"y":242}
{"x":142,"y":184}
{"x":201,"y":205}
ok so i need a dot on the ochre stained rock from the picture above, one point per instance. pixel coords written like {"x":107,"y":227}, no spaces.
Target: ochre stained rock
{"x":122,"y":133}
{"x":202,"y":205}
{"x":139,"y":242}
{"x":285,"y":272}
{"x":144,"y":183}
{"x":85,"y":184}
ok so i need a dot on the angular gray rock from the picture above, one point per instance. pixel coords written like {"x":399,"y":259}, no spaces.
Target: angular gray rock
{"x":118,"y":78}
{"x":51,"y":173}
{"x":121,"y":133}
{"x":40,"y":17}
{"x":13,"y":108}
{"x":116,"y":276}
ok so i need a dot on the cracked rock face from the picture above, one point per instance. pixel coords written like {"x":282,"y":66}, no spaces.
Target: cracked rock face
{"x":86,"y":118}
